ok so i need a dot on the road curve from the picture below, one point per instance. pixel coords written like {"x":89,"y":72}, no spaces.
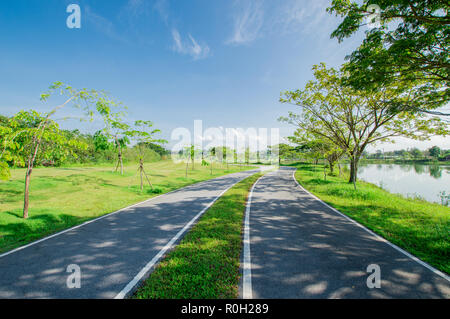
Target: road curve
{"x":110,"y":251}
{"x":301,"y":248}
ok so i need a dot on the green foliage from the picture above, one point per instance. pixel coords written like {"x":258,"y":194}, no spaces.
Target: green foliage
{"x":158,"y":149}
{"x":4,"y":171}
{"x":55,"y":147}
{"x":101,"y":142}
{"x":435,"y":152}
{"x":416,"y":153}
{"x":352,"y":119}
{"x":411,"y":45}
{"x":134,"y":154}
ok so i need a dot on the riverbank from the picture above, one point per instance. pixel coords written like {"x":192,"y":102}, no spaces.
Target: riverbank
{"x":400,"y":161}
{"x":420,"y":227}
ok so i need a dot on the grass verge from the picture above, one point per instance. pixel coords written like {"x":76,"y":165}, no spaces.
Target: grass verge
{"x":64,"y":197}
{"x":205,"y":265}
{"x":419,"y":227}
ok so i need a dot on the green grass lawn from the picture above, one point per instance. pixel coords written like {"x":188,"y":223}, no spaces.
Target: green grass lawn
{"x":64,"y":197}
{"x":205,"y":265}
{"x":420,"y":227}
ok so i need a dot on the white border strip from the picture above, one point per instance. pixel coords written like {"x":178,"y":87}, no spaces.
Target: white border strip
{"x":429,"y":267}
{"x":247,"y":291}
{"x":129,"y":287}
{"x":109,"y":214}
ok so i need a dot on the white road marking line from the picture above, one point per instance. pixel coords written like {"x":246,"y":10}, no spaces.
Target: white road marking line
{"x":128,"y":288}
{"x":247,"y":291}
{"x":429,"y":267}
{"x":106,"y":215}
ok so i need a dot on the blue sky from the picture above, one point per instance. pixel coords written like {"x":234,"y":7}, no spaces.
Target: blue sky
{"x":170,"y":61}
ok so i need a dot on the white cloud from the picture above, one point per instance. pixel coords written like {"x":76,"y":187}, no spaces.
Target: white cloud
{"x":162,"y":7}
{"x":135,"y":7}
{"x":189,"y":47}
{"x":248,"y":21}
{"x":304,"y":16}
{"x":103,"y":25}
{"x":253,"y":19}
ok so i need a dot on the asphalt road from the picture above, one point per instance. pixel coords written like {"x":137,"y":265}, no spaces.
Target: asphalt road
{"x":300,"y":248}
{"x":110,"y":251}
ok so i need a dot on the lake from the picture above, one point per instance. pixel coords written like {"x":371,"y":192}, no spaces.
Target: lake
{"x":425,"y":181}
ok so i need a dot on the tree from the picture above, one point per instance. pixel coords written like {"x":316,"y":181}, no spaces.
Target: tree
{"x":158,"y":149}
{"x":204,"y":162}
{"x":317,"y":148}
{"x":41,"y":128}
{"x":119,"y":133}
{"x":410,"y":45}
{"x":226,"y":154}
{"x":101,"y":142}
{"x":193,"y":151}
{"x":247,"y":155}
{"x":434,"y":152}
{"x":284,"y":151}
{"x":416,"y":153}
{"x":10,"y":131}
{"x":212,"y":155}
{"x":352,"y":119}
{"x":143,"y":134}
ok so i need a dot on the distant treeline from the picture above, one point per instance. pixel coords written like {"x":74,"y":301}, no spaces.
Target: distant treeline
{"x":411,"y":154}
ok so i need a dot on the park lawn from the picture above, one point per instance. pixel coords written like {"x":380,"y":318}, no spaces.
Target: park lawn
{"x":64,"y":197}
{"x":417,"y":226}
{"x":205,"y":265}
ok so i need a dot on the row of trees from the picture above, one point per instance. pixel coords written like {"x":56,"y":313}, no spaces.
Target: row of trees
{"x":96,"y":149}
{"x":433,"y":153}
{"x":30,"y":137}
{"x":391,"y":85}
{"x":226,"y":155}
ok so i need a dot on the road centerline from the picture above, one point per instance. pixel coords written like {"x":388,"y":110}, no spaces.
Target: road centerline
{"x":247,"y":292}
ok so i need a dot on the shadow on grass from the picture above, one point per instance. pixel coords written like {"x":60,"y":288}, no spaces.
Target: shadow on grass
{"x":35,"y":227}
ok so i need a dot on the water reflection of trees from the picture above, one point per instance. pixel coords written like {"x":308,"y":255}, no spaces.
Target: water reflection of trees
{"x":419,"y":169}
{"x":406,"y":168}
{"x":435,"y":171}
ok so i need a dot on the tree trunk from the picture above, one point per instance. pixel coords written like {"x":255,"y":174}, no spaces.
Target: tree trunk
{"x":120,"y":160}
{"x":31,"y":159}
{"x":331,"y":168}
{"x":141,"y":170}
{"x":26,"y":200}
{"x":353,"y":170}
